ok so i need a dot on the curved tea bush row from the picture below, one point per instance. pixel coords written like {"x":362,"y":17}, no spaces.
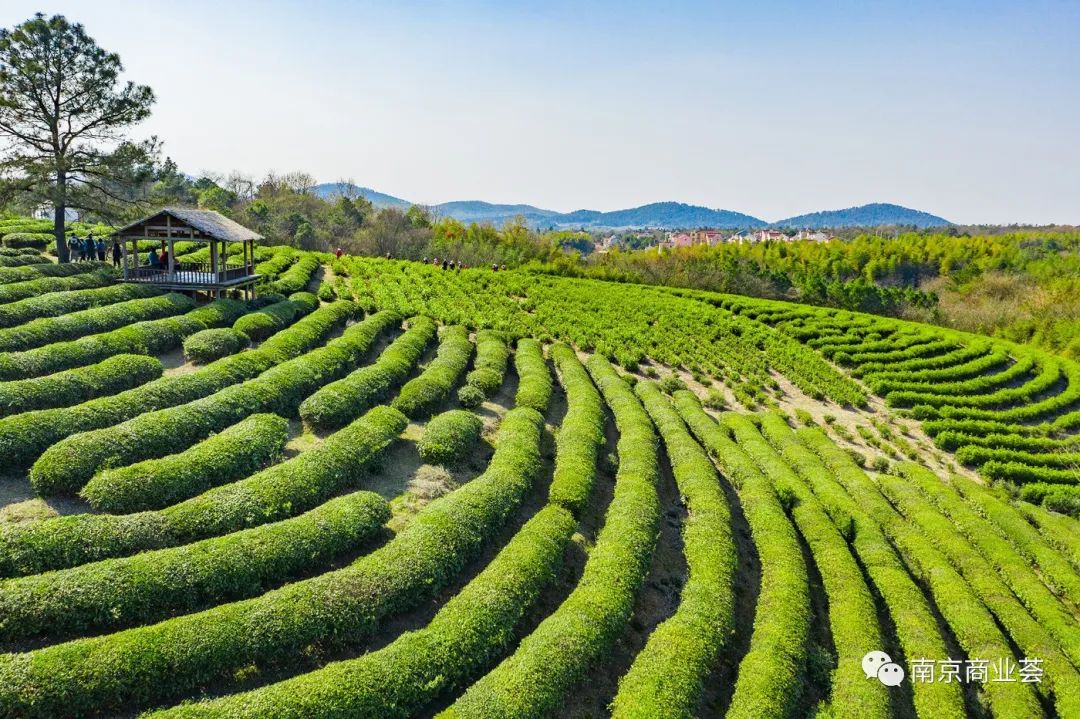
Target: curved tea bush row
{"x":63,"y":389}
{"x":335,"y":404}
{"x":298,"y":275}
{"x":963,"y":536}
{"x":48,"y":269}
{"x":92,"y":321}
{"x":276,"y":493}
{"x":1024,"y":412}
{"x":149,"y":337}
{"x":1025,"y":473}
{"x":471,"y":630}
{"x":488,"y":370}
{"x":448,"y":436}
{"x":280,"y":260}
{"x":667,"y":676}
{"x":916,"y":625}
{"x":273,"y":378}
{"x":1048,"y":376}
{"x":421,"y":395}
{"x":153,"y":585}
{"x":16,"y":260}
{"x":976,"y":455}
{"x":852,"y":615}
{"x":1060,"y":576}
{"x":771,"y":670}
{"x":206,"y":346}
{"x":534,"y":378}
{"x":580,"y":435}
{"x":147,"y":664}
{"x":951,"y":440}
{"x":265,"y":322}
{"x":41,"y":287}
{"x":238,"y":451}
{"x":56,"y":303}
{"x":887,"y":358}
{"x":961,"y":605}
{"x":969,"y":386}
{"x":1063,"y":498}
{"x":883,"y":382}
{"x":534,"y":680}
{"x":922,"y":366}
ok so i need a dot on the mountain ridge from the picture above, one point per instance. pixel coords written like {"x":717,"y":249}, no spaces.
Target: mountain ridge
{"x":667,"y":215}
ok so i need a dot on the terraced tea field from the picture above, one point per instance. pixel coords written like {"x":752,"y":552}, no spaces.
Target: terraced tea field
{"x":385,"y":489}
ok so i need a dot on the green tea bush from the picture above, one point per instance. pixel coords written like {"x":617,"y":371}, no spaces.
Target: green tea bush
{"x":534,"y":378}
{"x":421,"y":395}
{"x":120,"y":669}
{"x":53,"y":303}
{"x":154,"y":585}
{"x":580,"y":435}
{"x":448,"y":436}
{"x":206,"y":346}
{"x":273,"y":378}
{"x":48,"y":330}
{"x":337,"y":403}
{"x":535,"y":679}
{"x":488,"y":370}
{"x":74,"y":386}
{"x":236,"y":452}
{"x":149,"y":337}
{"x":272,"y":318}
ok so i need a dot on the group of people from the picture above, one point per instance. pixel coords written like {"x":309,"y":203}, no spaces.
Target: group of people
{"x":159,"y":260}
{"x":87,"y":249}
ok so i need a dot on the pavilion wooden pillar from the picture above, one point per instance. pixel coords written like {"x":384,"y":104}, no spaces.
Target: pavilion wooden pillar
{"x":124,"y":253}
{"x":169,"y":241}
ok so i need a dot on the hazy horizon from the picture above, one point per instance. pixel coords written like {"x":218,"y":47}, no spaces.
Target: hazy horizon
{"x":964,"y":110}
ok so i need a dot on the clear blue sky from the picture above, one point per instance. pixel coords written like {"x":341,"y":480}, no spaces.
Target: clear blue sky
{"x":970,"y":110}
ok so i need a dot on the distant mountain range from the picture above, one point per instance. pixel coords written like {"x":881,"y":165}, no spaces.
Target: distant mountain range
{"x":658,"y":215}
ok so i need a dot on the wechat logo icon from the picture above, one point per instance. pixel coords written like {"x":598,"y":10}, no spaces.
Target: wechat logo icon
{"x":881,"y":666}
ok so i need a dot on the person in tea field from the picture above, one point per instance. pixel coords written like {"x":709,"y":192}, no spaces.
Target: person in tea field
{"x":152,"y":260}
{"x":74,"y":249}
{"x":100,"y":247}
{"x":89,"y":250}
{"x":117,"y":253}
{"x":338,"y":253}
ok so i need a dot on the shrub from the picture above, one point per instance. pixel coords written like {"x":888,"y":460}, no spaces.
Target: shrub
{"x":1062,"y":498}
{"x":535,"y":679}
{"x":488,"y":369}
{"x":54,"y":303}
{"x":852,"y":615}
{"x":714,"y":399}
{"x":71,"y":387}
{"x":470,"y":631}
{"x":671,"y":384}
{"x":238,"y":451}
{"x":208,"y":345}
{"x":273,"y":378}
{"x":49,"y":269}
{"x":534,"y":378}
{"x":977,"y":550}
{"x":272,"y":318}
{"x":36,"y":240}
{"x":667,"y":676}
{"x":448,"y":436}
{"x":337,"y":403}
{"x":929,"y":560}
{"x":40,"y":288}
{"x":580,"y":435}
{"x":153,"y":585}
{"x":47,"y":330}
{"x":421,"y":395}
{"x":100,"y":673}
{"x":298,"y":275}
{"x":149,"y":337}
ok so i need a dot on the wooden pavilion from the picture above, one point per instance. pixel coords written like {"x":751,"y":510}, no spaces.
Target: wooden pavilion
{"x":177,"y":224}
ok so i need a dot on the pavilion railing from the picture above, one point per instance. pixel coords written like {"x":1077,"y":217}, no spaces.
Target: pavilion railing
{"x":190,"y":273}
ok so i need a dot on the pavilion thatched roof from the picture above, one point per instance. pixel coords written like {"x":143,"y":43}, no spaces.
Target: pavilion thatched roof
{"x":188,"y":224}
